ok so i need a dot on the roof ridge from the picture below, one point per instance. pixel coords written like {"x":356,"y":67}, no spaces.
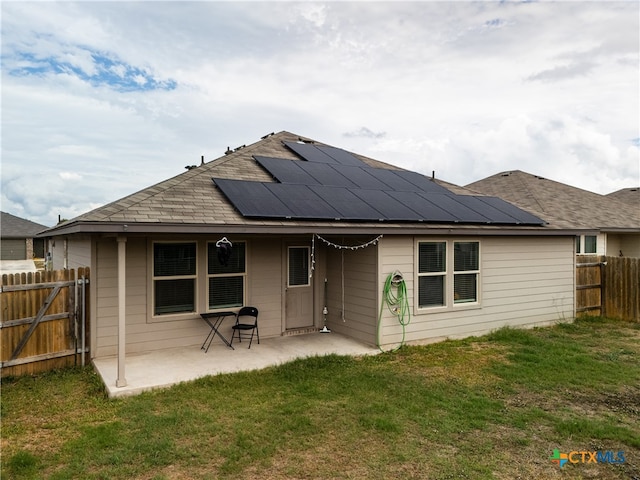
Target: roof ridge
{"x":160,"y":187}
{"x":529,"y":191}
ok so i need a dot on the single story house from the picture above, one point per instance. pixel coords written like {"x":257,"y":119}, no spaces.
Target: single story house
{"x":610,"y":224}
{"x":318,"y":237}
{"x":17,"y":238}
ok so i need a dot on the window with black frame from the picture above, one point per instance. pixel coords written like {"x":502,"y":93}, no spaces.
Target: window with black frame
{"x":226,"y":279}
{"x":174,"y":277}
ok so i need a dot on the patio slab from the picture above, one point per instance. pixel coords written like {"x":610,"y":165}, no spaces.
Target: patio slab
{"x":163,"y":368}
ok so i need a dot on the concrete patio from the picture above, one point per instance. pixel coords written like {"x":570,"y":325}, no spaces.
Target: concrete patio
{"x":163,"y":368}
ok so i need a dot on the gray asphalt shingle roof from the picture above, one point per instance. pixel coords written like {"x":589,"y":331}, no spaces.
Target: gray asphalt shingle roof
{"x":16,"y":227}
{"x":561,"y":205}
{"x":191,"y":201}
{"x":630,"y":196}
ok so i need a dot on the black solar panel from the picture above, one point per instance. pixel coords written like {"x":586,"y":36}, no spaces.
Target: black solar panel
{"x":311,"y":153}
{"x":392,"y":180}
{"x":361,"y":177}
{"x":493,"y":214}
{"x":346,"y":203}
{"x":253,"y":199}
{"x":342,"y":156}
{"x":424,"y":184}
{"x":302,"y":201}
{"x":425,"y":209}
{"x":521,"y":216}
{"x":334,"y":184}
{"x":286,"y":171}
{"x":387,"y":204}
{"x":458,"y":210}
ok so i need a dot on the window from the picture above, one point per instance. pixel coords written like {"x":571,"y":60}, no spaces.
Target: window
{"x":432,"y":269}
{"x":465,"y":272}
{"x":298,"y":266}
{"x":442,"y":282}
{"x":174,"y":278}
{"x":226,"y":282}
{"x":590,"y":244}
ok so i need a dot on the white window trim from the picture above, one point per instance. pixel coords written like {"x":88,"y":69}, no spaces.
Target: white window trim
{"x":450,"y":304}
{"x":444,"y":274}
{"x":583,"y":244}
{"x":465,"y":272}
{"x":170,"y":317}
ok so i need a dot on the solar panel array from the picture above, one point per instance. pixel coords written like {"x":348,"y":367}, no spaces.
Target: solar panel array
{"x":332,"y":184}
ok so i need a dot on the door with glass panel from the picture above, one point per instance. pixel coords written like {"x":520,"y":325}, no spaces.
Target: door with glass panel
{"x":298,"y":290}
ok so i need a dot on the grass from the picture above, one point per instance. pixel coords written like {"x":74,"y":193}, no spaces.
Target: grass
{"x":489,"y":407}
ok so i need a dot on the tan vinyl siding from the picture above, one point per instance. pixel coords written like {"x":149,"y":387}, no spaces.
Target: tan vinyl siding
{"x":523,"y":282}
{"x":76,"y":249}
{"x":396,"y":253}
{"x":142,"y":333}
{"x":264,"y":285}
{"x":145,"y":332}
{"x":104,"y":323}
{"x":628,"y":244}
{"x":360,"y":298}
{"x":79,"y":252}
{"x":56,"y":249}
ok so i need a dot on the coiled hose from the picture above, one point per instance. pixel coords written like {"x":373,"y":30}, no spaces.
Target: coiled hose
{"x":394,"y":296}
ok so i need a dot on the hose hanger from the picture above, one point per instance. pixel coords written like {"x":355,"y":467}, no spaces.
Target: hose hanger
{"x":224,"y":247}
{"x":396,"y":278}
{"x":394,"y":296}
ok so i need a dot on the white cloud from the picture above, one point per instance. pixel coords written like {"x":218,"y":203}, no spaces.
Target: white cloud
{"x":463,"y":88}
{"x":70,"y":176}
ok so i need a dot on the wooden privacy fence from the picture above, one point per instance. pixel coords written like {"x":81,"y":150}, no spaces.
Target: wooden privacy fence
{"x":608,"y":286}
{"x":44,"y":320}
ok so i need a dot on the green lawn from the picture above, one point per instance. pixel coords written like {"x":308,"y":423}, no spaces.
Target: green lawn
{"x":491,"y":407}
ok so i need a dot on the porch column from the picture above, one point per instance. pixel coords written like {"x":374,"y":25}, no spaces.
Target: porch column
{"x":122,"y":302}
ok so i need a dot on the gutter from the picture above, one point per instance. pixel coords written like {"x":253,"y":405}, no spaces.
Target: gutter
{"x":119,"y":228}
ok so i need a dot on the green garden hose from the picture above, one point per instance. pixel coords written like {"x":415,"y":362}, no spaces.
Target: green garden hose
{"x":394,"y":296}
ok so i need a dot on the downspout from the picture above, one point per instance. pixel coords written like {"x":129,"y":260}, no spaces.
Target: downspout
{"x":122,"y":302}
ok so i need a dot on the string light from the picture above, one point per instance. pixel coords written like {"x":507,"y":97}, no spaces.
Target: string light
{"x":342,"y":248}
{"x":349,"y":247}
{"x":335,"y":245}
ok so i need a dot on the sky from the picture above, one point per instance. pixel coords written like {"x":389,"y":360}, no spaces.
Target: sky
{"x":103,"y":99}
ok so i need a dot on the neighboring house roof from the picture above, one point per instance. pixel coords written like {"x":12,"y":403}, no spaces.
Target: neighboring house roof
{"x":192,"y":203}
{"x":560,"y":204}
{"x":16,"y":227}
{"x":630,"y":196}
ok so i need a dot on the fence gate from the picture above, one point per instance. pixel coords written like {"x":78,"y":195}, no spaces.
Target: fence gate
{"x":44,"y":321}
{"x":589,"y":285}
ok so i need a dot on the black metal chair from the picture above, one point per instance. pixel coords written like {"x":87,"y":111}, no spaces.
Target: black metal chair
{"x":242,"y":328}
